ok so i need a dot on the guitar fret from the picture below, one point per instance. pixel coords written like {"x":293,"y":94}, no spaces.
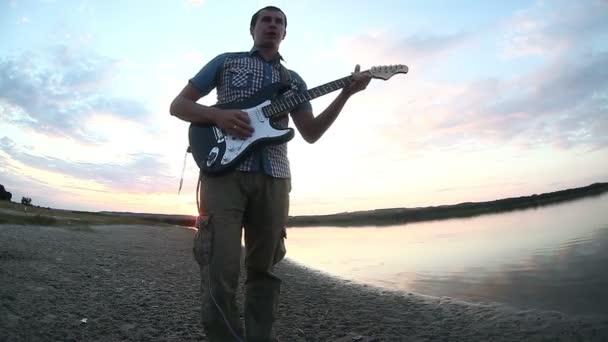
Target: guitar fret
{"x":290,"y":102}
{"x":322,"y":90}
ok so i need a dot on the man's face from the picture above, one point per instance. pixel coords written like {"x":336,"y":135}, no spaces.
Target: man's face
{"x":269,"y":29}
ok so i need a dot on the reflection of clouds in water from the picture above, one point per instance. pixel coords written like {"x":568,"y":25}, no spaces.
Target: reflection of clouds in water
{"x":549,"y":257}
{"x":570,"y":279}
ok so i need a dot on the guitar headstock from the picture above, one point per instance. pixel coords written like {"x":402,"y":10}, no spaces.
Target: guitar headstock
{"x":387,"y":71}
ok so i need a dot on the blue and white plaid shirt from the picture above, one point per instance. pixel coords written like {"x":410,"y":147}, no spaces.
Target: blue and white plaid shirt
{"x":238,"y":75}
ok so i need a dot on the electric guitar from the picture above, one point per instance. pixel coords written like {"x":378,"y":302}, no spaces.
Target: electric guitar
{"x":216,"y":151}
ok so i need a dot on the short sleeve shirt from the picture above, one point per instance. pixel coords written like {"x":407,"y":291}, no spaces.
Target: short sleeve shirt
{"x":238,"y":75}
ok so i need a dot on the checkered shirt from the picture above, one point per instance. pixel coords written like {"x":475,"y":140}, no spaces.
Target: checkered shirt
{"x":238,"y":76}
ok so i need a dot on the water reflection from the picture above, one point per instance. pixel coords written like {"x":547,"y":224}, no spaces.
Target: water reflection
{"x":550,"y":257}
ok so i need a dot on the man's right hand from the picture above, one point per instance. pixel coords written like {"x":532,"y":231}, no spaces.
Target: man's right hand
{"x":234,"y":122}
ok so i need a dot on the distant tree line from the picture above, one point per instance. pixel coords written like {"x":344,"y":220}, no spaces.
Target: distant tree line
{"x":7,"y":196}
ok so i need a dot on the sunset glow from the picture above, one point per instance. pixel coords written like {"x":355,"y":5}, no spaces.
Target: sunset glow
{"x":502,"y":99}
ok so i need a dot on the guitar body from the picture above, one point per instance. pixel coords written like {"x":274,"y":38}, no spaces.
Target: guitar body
{"x":216,"y":151}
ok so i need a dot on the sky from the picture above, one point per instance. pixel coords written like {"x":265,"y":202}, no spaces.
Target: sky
{"x":502,"y":99}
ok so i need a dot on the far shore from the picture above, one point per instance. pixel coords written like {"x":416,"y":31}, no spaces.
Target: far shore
{"x":17,"y":213}
{"x":468,"y":209}
{"x":392,"y":216}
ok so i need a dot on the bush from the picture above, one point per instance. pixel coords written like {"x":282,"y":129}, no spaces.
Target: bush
{"x":5,"y":195}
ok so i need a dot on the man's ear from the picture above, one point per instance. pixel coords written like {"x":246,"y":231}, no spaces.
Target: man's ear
{"x":284,"y":34}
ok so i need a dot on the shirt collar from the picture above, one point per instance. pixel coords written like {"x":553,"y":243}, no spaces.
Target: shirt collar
{"x":256,"y":51}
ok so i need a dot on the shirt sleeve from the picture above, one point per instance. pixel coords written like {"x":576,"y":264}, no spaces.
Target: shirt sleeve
{"x":301,"y":87}
{"x":206,"y":79}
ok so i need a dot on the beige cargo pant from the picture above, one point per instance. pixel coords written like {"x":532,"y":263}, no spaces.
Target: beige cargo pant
{"x":259,"y":204}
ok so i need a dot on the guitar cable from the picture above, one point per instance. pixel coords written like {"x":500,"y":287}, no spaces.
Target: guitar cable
{"x":181,"y":180}
{"x":285,"y":78}
{"x":199,"y":189}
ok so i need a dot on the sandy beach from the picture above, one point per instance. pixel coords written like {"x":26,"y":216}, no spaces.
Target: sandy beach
{"x":140,"y":283}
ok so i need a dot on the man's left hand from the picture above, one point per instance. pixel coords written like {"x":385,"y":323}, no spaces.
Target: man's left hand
{"x":359,"y":82}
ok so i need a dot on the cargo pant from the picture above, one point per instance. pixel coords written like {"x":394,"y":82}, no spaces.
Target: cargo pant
{"x":259,"y":204}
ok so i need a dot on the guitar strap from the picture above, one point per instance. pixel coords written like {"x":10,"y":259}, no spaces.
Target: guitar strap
{"x":285,"y":74}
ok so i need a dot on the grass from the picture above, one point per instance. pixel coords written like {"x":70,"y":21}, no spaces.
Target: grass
{"x":28,"y":219}
{"x":16,"y":213}
{"x":43,"y":220}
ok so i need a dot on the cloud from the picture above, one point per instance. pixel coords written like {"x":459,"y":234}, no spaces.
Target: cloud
{"x":562,"y":101}
{"x":564,"y":104}
{"x":554,"y":29}
{"x":381,"y":48}
{"x":140,"y":172}
{"x":52,"y":92}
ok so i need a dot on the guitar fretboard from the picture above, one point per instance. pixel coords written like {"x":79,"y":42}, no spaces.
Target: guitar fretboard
{"x":284,"y":105}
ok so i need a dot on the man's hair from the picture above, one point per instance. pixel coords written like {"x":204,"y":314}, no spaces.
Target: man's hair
{"x":254,"y":18}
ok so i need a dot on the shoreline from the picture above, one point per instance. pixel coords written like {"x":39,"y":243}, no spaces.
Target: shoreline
{"x":138,"y":282}
{"x":16,"y":212}
{"x":393,"y":216}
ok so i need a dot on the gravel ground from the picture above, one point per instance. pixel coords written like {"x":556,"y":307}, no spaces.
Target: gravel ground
{"x":140,"y":283}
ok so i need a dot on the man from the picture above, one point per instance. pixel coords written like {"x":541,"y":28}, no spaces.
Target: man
{"x":256,"y":194}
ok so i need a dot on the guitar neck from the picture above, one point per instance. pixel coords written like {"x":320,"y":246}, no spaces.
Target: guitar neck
{"x":284,"y":105}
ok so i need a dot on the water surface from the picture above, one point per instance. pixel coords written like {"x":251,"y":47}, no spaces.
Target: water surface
{"x":552,"y":257}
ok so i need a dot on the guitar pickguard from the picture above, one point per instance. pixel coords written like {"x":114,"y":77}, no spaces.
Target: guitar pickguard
{"x":262,"y":130}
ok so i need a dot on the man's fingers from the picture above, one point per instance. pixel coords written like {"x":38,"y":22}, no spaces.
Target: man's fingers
{"x":245,"y":126}
{"x":242,"y":122}
{"x":242,"y":116}
{"x":241,"y":128}
{"x":241,"y":132}
{"x":242,"y":125}
{"x":357,"y":68}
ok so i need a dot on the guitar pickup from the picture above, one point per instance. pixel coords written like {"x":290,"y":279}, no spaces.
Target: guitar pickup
{"x":260,"y":115}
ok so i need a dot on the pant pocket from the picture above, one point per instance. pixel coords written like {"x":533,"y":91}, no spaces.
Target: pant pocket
{"x":203,"y":241}
{"x":280,"y":251}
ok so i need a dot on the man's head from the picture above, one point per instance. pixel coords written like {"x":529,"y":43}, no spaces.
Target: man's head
{"x":268,"y":27}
